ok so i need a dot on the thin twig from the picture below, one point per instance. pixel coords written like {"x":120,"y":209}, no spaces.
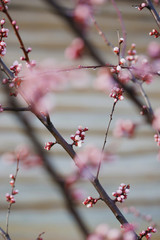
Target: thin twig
{"x":101,"y":33}
{"x":106,"y":135}
{"x":122,"y":26}
{"x":152,"y":9}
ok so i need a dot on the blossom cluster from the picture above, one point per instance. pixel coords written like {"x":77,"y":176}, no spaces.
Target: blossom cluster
{"x":83,"y":11}
{"x":3,"y":34}
{"x":154,"y":33}
{"x":117,"y":93}
{"x":10,"y":197}
{"x":122,"y":192}
{"x":104,"y":232}
{"x":79,"y":136}
{"x":48,"y":145}
{"x":89,"y":202}
{"x":148,"y":233}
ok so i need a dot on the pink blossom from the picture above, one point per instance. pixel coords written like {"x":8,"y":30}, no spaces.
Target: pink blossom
{"x":124,"y":128}
{"x":90,"y":156}
{"x":122,"y":192}
{"x":27,"y":158}
{"x":79,"y":136}
{"x":142,"y":70}
{"x":117,"y":94}
{"x":82,"y":14}
{"x":154,"y":50}
{"x":156,"y":120}
{"x":76,"y":49}
{"x":10,"y":198}
{"x":48,"y":145}
{"x":154,"y":33}
{"x":39,"y":82}
{"x":104,"y":80}
{"x":124,"y":76}
{"x":89,"y":202}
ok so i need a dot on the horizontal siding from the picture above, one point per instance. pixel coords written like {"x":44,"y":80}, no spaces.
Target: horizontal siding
{"x":40,"y":206}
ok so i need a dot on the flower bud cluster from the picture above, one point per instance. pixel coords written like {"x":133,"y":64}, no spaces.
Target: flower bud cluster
{"x":3,"y":34}
{"x":116,"y":93}
{"x":10,"y":197}
{"x":48,"y":145}
{"x":89,"y":202}
{"x":79,"y":136}
{"x":154,"y":33}
{"x":132,"y":57}
{"x":122,"y":192}
{"x":157,"y":139}
{"x":147,"y":233}
{"x":16,"y":81}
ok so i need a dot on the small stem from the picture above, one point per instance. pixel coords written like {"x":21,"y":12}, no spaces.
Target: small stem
{"x":145,"y":98}
{"x":106,"y":135}
{"x":122,"y":26}
{"x":101,"y":33}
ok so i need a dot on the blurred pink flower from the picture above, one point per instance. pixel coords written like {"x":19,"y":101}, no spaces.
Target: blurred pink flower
{"x":104,"y":80}
{"x":154,"y":49}
{"x":75,"y":50}
{"x":38,"y":84}
{"x":156,"y":120}
{"x":27,"y":158}
{"x":142,"y":70}
{"x":124,"y":128}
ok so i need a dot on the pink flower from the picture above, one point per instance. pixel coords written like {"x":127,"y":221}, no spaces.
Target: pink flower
{"x":124,"y":128}
{"x":10,"y":198}
{"x":48,"y":145}
{"x":156,"y":120}
{"x":89,"y":202}
{"x":82,"y":14}
{"x":124,"y":76}
{"x":122,"y":192}
{"x":104,"y":80}
{"x":76,"y":49}
{"x":154,"y":50}
{"x":117,"y":94}
{"x":142,"y":70}
{"x":79,"y":136}
{"x":27,"y":158}
{"x":39,"y":82}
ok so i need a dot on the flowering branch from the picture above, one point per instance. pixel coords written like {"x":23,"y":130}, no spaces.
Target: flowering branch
{"x":152,"y":9}
{"x":10,"y":197}
{"x":16,"y":28}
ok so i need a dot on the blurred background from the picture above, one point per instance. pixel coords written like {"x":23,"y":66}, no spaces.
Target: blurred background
{"x":40,"y":206}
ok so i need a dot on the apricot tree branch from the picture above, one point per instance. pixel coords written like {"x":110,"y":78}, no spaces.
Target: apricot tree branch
{"x":152,"y":9}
